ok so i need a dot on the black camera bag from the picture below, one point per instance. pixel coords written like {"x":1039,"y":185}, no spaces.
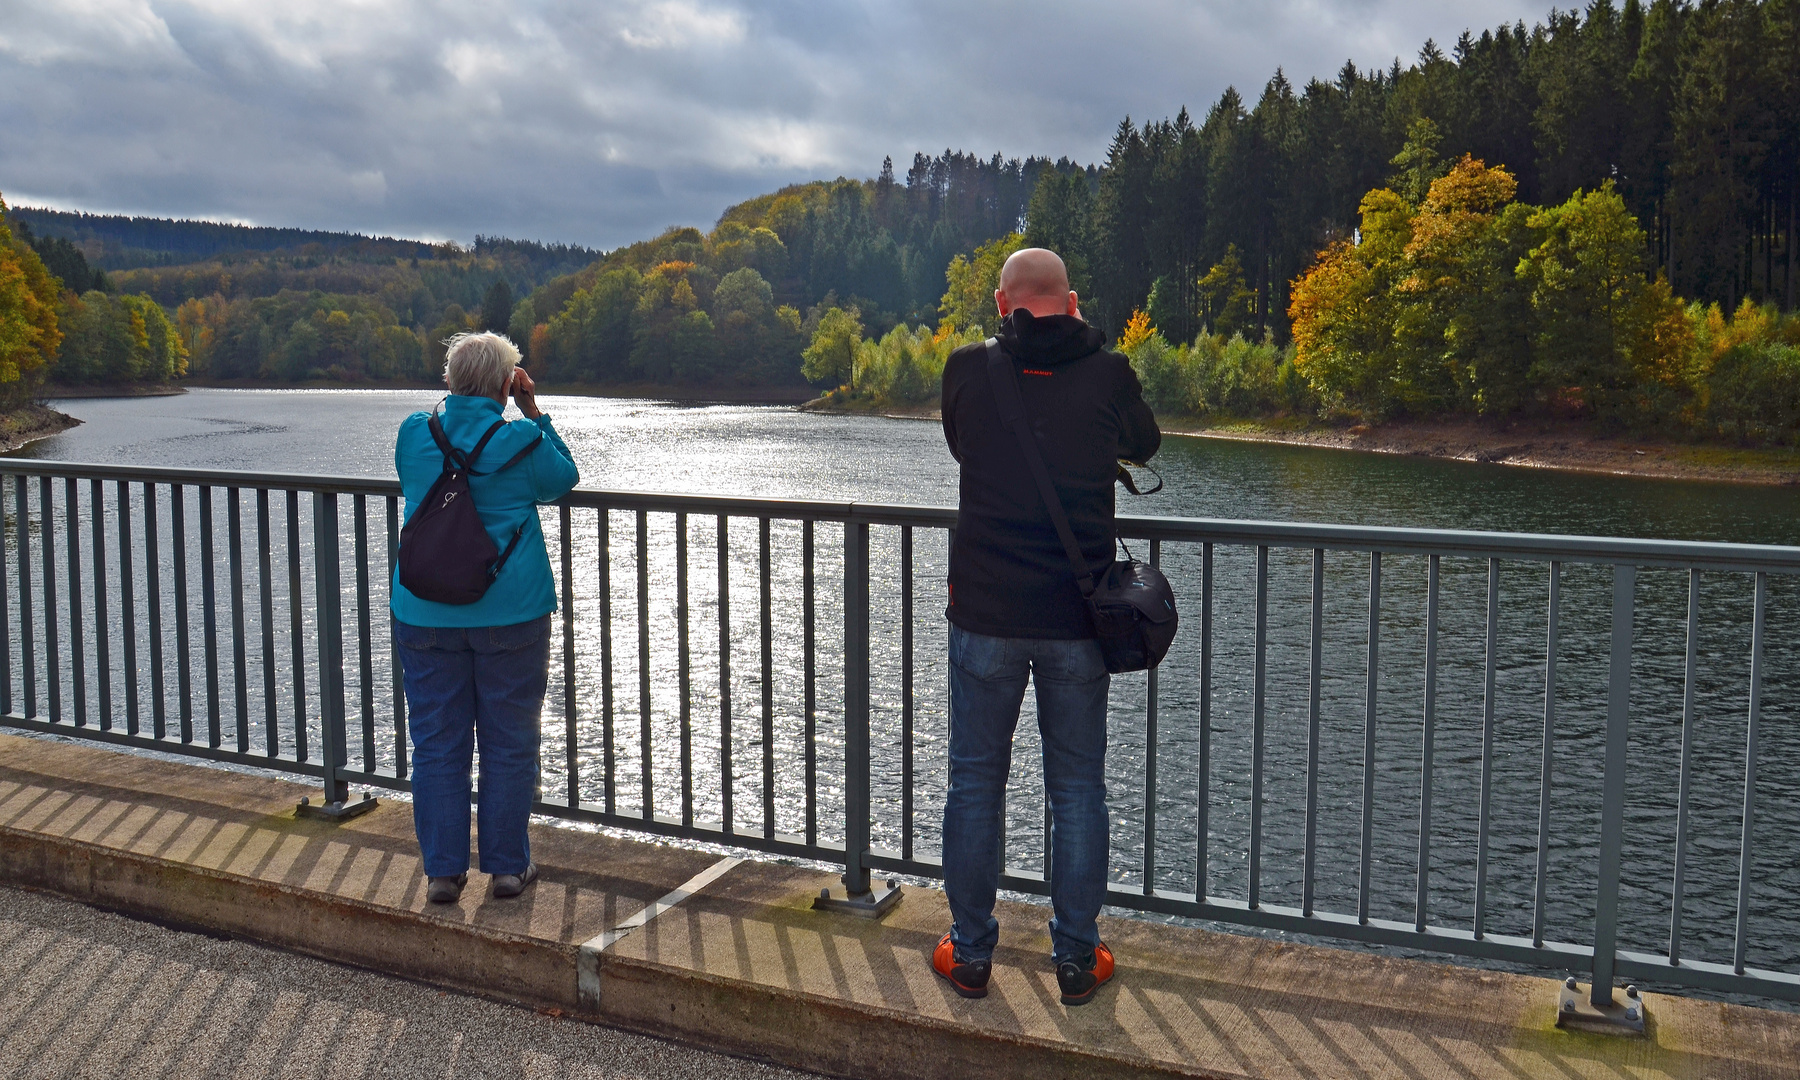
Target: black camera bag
{"x":1132,"y":607}
{"x":446,"y":555}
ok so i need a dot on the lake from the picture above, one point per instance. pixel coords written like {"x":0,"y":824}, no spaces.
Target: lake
{"x":775,"y":451}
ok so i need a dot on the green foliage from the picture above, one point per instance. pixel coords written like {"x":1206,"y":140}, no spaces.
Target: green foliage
{"x":1418,"y":164}
{"x":1219,"y":377}
{"x":968,"y":301}
{"x":119,"y":339}
{"x":29,"y":331}
{"x":496,"y":306}
{"x":520,"y":323}
{"x":906,"y":366}
{"x":1225,"y":298}
{"x":1475,"y":303}
{"x":295,"y":336}
{"x":831,"y":356}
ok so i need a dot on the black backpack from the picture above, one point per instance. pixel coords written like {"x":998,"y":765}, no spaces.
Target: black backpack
{"x":446,"y":555}
{"x":1132,"y":607}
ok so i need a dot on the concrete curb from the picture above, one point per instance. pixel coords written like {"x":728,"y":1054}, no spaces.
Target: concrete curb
{"x":788,"y":1027}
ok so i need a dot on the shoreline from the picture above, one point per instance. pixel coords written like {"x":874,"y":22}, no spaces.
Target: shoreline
{"x":22,"y":427}
{"x":1559,"y":445}
{"x":112,"y":390}
{"x":735,"y":395}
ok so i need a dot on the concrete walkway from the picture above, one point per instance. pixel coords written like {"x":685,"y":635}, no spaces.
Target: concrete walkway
{"x":745,"y":966}
{"x":91,"y":994}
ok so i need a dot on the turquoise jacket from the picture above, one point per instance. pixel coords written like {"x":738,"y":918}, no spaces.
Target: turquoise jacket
{"x":524,"y":590}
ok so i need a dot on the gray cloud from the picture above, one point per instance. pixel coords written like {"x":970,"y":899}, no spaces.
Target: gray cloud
{"x":602,"y":122}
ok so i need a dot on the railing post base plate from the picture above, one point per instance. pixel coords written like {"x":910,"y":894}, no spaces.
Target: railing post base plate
{"x":869,"y":905}
{"x":1624,"y":1015}
{"x":336,"y":811}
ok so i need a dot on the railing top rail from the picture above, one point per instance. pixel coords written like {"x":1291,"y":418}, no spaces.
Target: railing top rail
{"x":1540,"y":547}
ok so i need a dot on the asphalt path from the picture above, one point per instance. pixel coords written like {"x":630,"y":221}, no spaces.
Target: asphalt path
{"x":89,"y":993}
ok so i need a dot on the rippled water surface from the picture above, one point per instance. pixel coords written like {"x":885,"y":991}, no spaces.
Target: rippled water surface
{"x":735,"y":449}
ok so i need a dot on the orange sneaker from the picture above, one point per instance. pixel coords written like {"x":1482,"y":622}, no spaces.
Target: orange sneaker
{"x":969,"y":980}
{"x":1079,"y":981}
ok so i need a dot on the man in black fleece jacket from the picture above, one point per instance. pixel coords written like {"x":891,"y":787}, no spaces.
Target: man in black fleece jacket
{"x":1016,"y":614}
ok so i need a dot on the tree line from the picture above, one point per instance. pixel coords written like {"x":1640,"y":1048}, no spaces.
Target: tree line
{"x":1691,"y":110}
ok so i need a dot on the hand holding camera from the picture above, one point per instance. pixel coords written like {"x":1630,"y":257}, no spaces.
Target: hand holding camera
{"x":524,"y":394}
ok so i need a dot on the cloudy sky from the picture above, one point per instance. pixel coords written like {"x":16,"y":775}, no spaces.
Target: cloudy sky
{"x":602,"y":121}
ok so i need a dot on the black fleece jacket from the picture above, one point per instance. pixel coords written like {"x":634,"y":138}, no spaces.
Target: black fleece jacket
{"x":1009,"y":575}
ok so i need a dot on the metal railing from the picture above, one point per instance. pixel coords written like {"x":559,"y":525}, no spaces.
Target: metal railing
{"x":1278,"y":772}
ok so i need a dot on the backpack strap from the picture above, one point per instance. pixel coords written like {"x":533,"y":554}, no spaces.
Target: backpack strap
{"x":515,"y":459}
{"x":466,"y":461}
{"x":1012,"y":414}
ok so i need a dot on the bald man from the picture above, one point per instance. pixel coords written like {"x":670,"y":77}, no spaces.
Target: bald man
{"x":1016,"y":614}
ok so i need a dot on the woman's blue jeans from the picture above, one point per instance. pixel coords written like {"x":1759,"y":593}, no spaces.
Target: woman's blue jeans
{"x":987,"y":686}
{"x":466,"y":686}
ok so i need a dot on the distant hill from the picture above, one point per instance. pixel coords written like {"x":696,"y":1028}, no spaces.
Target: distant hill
{"x":116,"y":242}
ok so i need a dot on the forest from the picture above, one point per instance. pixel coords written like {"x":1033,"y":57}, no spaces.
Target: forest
{"x":1427,"y":238}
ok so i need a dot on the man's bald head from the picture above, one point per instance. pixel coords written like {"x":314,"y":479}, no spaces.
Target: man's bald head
{"x":1035,"y":279}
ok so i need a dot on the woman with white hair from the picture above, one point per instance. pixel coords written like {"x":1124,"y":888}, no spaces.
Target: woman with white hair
{"x":476,"y":672}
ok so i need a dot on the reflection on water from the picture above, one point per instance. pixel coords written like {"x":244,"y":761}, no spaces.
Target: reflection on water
{"x":731,"y":449}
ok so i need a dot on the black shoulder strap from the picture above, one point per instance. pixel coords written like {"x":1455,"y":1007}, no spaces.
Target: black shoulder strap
{"x":1012,"y":414}
{"x":466,"y":461}
{"x":516,"y":458}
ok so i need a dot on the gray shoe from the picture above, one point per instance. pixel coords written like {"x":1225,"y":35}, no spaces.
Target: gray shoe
{"x":446,"y":890}
{"x":508,"y":885}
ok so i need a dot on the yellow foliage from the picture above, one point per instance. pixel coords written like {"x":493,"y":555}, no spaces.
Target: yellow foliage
{"x":29,"y":335}
{"x":1137,"y":331}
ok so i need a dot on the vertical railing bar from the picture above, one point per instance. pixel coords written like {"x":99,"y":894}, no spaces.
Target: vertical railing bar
{"x":1741,"y":949}
{"x":240,"y":678}
{"x":127,"y":606}
{"x":27,"y":622}
{"x":684,"y":689}
{"x":1260,"y":700}
{"x":6,"y":688}
{"x":906,"y":703}
{"x":1612,"y":801}
{"x":643,"y":605}
{"x":296,"y":626}
{"x":103,"y":670}
{"x":365,"y":651}
{"x":77,"y":637}
{"x":811,"y":686}
{"x":396,"y":669}
{"x":52,"y":644}
{"x":1483,"y":819}
{"x":265,"y":590}
{"x":1540,"y":906}
{"x":209,"y":618}
{"x":1202,"y":824}
{"x":727,"y":769}
{"x":767,"y":633}
{"x":328,"y":594}
{"x":571,"y":738}
{"x":856,"y":706}
{"x":1421,"y":907}
{"x":153,"y":602}
{"x":184,"y":698}
{"x":1150,"y":740}
{"x":1309,"y":858}
{"x":608,"y":762}
{"x":1365,"y":872}
{"x":1690,"y":685}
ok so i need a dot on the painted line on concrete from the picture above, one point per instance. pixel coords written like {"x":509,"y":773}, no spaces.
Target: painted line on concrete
{"x":587,"y":960}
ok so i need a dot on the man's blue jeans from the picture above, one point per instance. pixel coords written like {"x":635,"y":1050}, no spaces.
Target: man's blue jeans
{"x":987,"y":686}
{"x":463,"y":686}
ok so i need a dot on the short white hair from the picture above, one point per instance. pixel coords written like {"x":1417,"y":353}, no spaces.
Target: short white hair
{"x":480,"y":365}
